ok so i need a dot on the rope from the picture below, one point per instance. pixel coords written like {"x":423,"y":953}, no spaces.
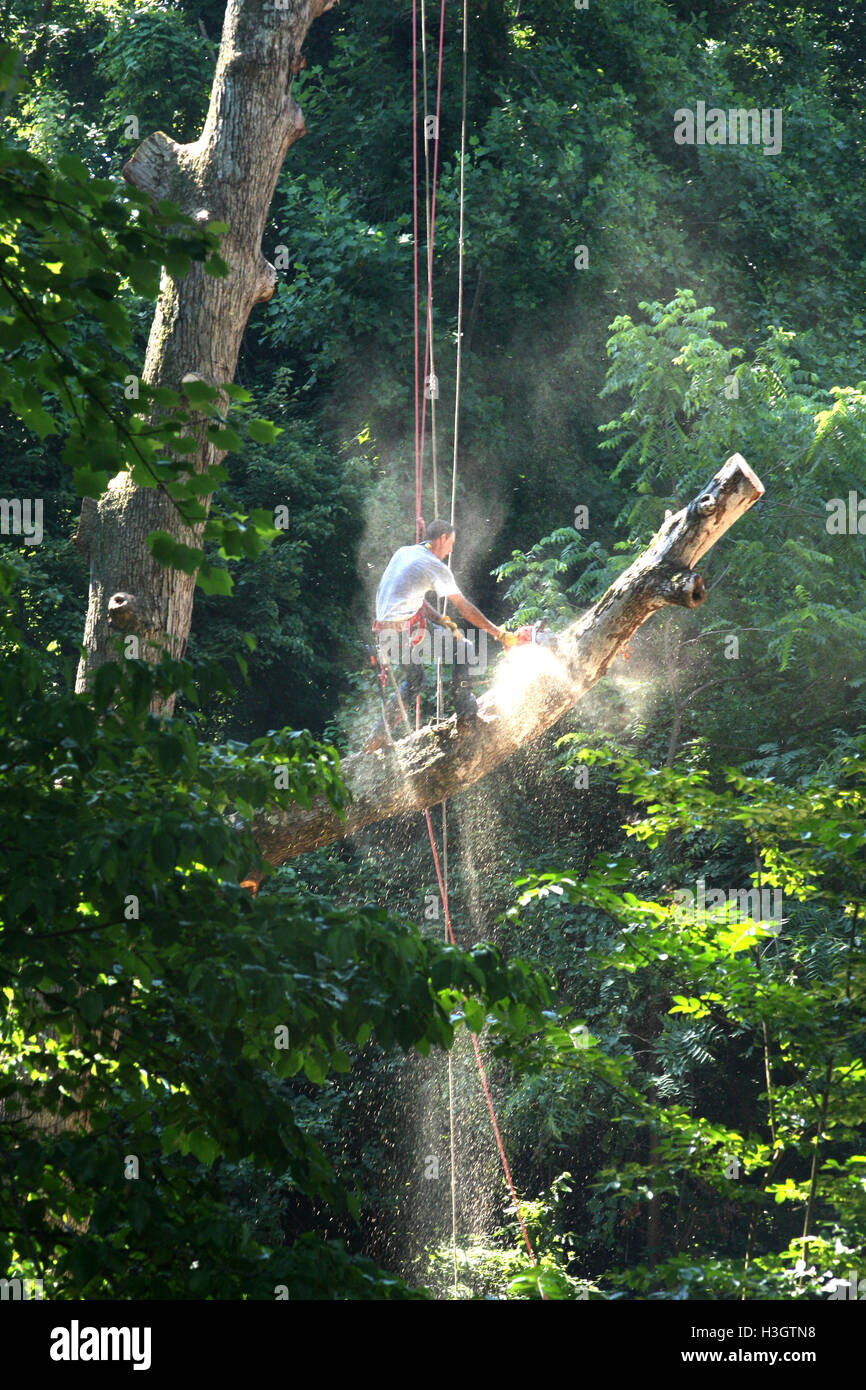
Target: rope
{"x":450,"y":1068}
{"x":481,"y":1071}
{"x":430,"y":215}
{"x":460,"y":265}
{"x":428,"y":340}
{"x":430,"y":208}
{"x":444,"y":608}
{"x":415,"y":258}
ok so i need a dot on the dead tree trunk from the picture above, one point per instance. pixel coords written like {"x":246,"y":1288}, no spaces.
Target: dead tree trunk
{"x":228,"y":175}
{"x":434,"y":763}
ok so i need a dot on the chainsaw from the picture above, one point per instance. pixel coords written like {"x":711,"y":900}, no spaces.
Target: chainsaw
{"x":537,"y":633}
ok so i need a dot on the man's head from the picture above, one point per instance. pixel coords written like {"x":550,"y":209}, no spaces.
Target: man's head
{"x":440,"y":538}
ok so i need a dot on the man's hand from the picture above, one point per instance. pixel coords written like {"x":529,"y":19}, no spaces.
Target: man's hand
{"x":508,"y":639}
{"x":441,"y":619}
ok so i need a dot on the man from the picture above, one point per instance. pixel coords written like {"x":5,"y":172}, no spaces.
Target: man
{"x":402,"y":614}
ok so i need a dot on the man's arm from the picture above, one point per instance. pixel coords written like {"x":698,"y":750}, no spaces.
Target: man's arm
{"x":430,"y":613}
{"x":440,"y":619}
{"x":474,"y":616}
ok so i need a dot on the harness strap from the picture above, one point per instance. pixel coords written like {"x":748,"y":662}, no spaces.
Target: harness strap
{"x":416,"y":625}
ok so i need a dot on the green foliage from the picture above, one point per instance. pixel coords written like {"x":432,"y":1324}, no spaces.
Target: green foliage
{"x":73,"y":247}
{"x":537,"y":590}
{"x":340,"y":263}
{"x":726,"y":289}
{"x":152,"y":1010}
{"x":171,"y":95}
{"x":297,"y":600}
{"x":502,"y":1269}
{"x":783,"y":995}
{"x":62,"y":229}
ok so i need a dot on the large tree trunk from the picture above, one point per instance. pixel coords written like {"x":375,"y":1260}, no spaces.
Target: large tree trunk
{"x":536,"y":687}
{"x":228,"y":175}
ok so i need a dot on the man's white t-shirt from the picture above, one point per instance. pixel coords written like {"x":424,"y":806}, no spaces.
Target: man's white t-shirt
{"x":412,"y":572}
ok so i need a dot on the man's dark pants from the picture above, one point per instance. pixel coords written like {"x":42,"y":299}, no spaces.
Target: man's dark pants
{"x":457,"y":654}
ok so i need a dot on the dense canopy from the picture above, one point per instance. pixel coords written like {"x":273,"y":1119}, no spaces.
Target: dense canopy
{"x":658,"y":901}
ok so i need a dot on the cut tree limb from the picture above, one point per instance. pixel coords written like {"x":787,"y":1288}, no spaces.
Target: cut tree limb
{"x":539,"y":686}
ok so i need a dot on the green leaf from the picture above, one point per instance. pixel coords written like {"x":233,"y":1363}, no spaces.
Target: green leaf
{"x":225,"y":439}
{"x":262,"y":431}
{"x":90,"y":482}
{"x":199,"y":392}
{"x":315,"y":1069}
{"x":173,"y":554}
{"x":212,"y":579}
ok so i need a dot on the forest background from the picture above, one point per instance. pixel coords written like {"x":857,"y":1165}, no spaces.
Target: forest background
{"x":681,"y":1093}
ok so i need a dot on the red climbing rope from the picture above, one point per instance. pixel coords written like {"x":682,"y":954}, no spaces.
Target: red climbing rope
{"x":431,"y":224}
{"x":429,"y":365}
{"x":420,"y":430}
{"x":481,"y":1070}
{"x":415,"y":257}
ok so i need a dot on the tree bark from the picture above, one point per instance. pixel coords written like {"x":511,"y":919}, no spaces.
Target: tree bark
{"x":227,"y":175}
{"x":534,"y":688}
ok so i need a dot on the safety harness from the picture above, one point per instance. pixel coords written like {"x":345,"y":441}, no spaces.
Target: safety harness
{"x":417,"y":624}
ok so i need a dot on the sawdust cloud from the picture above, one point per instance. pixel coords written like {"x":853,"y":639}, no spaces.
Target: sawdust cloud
{"x":417,"y":1162}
